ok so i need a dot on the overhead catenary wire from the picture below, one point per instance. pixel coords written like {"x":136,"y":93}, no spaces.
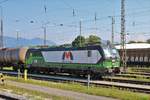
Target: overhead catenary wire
{"x":69,"y":6}
{"x":3,"y":1}
{"x":87,"y":20}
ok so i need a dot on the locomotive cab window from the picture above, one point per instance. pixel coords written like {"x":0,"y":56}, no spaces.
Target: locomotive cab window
{"x":89,"y":53}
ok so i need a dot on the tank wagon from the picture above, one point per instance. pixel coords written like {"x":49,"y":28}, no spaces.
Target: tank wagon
{"x":13,"y":57}
{"x":96,"y":60}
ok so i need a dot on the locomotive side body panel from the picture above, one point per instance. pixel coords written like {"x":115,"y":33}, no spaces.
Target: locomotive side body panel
{"x":76,"y":56}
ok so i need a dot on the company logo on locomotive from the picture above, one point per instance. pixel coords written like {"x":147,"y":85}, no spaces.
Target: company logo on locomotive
{"x":67,"y":55}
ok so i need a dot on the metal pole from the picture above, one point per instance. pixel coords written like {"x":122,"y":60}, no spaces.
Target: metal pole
{"x":45,"y":10}
{"x":80,"y":23}
{"x":95,"y":22}
{"x":123,"y":35}
{"x":112,"y":28}
{"x":17,"y":38}
{"x":88,"y":81}
{"x":17,"y":35}
{"x":19,"y":73}
{"x":112,"y":37}
{"x":1,"y":35}
{"x":25,"y":74}
{"x":45,"y":35}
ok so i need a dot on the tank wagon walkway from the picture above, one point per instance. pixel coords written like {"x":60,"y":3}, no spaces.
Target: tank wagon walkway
{"x":58,"y":92}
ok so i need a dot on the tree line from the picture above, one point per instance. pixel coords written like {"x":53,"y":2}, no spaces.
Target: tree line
{"x":147,"y":41}
{"x":81,"y":41}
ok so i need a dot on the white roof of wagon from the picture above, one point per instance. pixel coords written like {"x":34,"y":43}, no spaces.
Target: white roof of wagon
{"x":135,"y":46}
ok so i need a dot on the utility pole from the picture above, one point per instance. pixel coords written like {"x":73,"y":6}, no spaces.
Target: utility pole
{"x":1,"y":35}
{"x":95,"y":19}
{"x":44,"y":35}
{"x":17,"y":35}
{"x":123,"y":35}
{"x":45,"y":10}
{"x":112,"y":28}
{"x":112,"y":36}
{"x":18,"y":38}
{"x":80,"y":27}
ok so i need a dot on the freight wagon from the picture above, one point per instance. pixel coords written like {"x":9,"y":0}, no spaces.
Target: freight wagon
{"x":138,"y":54}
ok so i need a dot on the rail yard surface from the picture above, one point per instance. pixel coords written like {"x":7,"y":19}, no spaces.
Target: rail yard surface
{"x":120,"y":87}
{"x":58,"y":92}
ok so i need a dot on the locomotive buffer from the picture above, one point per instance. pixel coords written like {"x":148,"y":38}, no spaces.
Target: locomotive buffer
{"x":2,"y":78}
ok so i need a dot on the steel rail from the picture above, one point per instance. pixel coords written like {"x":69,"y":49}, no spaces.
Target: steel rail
{"x":125,"y":80}
{"x":10,"y":96}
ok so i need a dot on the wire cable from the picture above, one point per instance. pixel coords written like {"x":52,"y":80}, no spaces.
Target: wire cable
{"x":3,"y":1}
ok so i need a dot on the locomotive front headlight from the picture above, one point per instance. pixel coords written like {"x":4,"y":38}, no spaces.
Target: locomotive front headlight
{"x":113,"y":60}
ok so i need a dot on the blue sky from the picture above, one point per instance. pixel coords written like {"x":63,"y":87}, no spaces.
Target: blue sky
{"x":18,"y":14}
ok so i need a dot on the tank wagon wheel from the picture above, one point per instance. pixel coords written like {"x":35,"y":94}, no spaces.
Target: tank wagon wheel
{"x":97,"y":76}
{"x":15,"y":68}
{"x":117,"y":70}
{"x":30,"y":68}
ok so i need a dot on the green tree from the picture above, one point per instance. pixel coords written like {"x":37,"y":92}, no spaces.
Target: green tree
{"x":93,"y":39}
{"x":79,"y":41}
{"x":65,"y":45}
{"x":148,"y":41}
{"x":139,"y":42}
{"x":131,"y":42}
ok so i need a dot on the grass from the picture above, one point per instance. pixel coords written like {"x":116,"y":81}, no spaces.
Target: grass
{"x":93,"y":90}
{"x":30,"y":94}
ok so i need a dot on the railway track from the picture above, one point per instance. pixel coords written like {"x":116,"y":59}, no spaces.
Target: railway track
{"x":138,"y":73}
{"x":128,"y":86}
{"x":133,"y":76}
{"x":126,"y":80}
{"x":143,"y":70}
{"x":10,"y":96}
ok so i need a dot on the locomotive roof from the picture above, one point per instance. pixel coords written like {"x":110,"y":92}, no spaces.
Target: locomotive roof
{"x":70,"y":48}
{"x":135,"y":46}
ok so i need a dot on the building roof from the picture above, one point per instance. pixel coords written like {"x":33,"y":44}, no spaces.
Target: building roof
{"x":135,"y":46}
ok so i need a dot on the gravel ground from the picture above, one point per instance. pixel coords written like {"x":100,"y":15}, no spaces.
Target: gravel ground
{"x":58,"y":92}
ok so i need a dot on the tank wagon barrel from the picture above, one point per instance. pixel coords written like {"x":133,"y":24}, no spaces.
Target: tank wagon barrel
{"x":13,"y":55}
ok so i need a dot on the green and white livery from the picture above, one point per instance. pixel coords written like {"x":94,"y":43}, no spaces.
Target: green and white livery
{"x":91,"y":59}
